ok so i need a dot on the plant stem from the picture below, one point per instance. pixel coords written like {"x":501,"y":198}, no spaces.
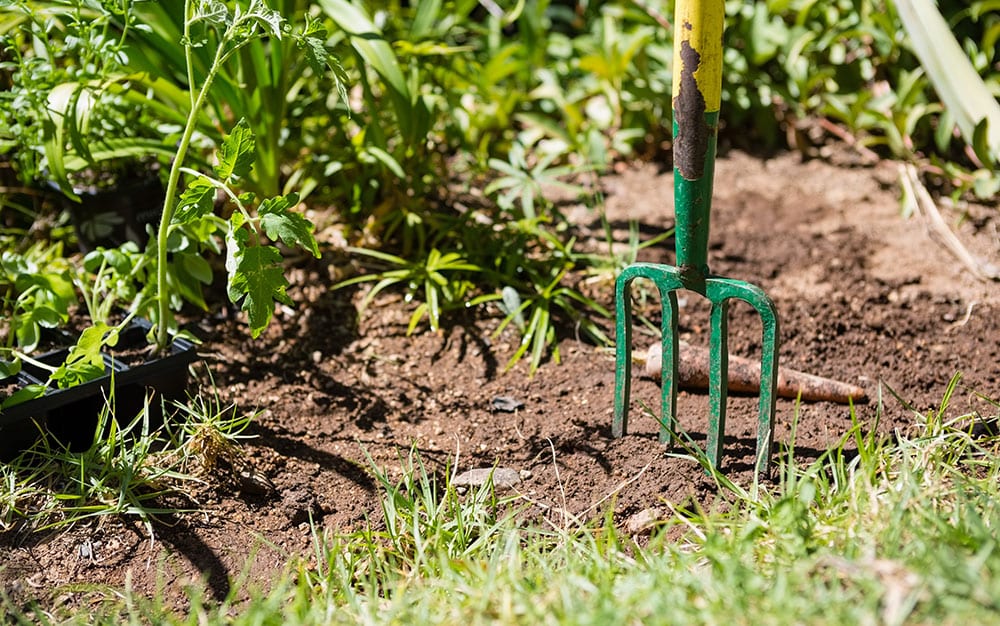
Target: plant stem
{"x":170,"y":201}
{"x":188,"y":54}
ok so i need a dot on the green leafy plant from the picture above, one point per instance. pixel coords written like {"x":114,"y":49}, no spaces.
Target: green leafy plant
{"x":128,"y":469}
{"x":216,"y":48}
{"x":545,"y":296}
{"x":58,"y":56}
{"x":813,"y":72}
{"x":277,"y":83}
{"x":875,"y":530}
{"x":441,"y":278}
{"x":526,"y":184}
{"x":105,"y":280}
{"x":37,"y":293}
{"x":256,"y":279}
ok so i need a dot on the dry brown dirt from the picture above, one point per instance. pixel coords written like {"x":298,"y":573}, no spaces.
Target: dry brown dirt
{"x":864,"y":296}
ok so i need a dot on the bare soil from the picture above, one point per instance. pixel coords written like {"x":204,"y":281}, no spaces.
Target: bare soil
{"x":865,"y":296}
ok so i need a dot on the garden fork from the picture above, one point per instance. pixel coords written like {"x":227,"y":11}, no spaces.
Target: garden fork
{"x":697,"y":87}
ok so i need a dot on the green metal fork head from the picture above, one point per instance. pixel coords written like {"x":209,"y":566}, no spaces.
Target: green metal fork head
{"x":697,"y":96}
{"x":719,"y":291}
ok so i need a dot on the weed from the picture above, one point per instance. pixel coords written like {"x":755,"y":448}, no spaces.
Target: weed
{"x":128,"y":469}
{"x":120,"y":473}
{"x":205,"y":436}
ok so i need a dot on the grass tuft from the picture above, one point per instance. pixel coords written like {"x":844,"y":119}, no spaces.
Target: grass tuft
{"x":876,"y":531}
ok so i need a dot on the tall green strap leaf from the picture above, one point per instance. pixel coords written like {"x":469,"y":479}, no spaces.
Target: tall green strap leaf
{"x":957,"y":83}
{"x":369,"y":43}
{"x":427,"y":15}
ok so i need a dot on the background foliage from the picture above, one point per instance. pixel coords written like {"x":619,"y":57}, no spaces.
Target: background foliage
{"x":438,"y":129}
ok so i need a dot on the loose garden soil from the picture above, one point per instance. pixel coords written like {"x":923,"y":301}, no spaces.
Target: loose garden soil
{"x":865,"y":296}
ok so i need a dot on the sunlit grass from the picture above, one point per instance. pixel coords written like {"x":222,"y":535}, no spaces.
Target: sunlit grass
{"x":128,"y":469}
{"x":898,"y":531}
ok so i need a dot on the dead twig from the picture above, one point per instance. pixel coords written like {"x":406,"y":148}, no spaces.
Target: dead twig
{"x":922,"y":202}
{"x":653,"y":13}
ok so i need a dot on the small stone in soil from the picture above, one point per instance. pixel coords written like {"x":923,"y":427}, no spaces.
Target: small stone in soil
{"x":88,"y":549}
{"x":643,"y":521}
{"x":503,"y":477}
{"x":506,"y":404}
{"x":300,"y":505}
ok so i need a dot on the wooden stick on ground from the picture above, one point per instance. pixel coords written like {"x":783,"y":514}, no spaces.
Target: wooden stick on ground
{"x":744,"y":376}
{"x":925,"y":206}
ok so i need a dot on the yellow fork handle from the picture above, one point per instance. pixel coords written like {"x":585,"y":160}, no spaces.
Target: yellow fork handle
{"x":698,"y":28}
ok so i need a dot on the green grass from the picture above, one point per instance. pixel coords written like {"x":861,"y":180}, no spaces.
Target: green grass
{"x":130,"y":469}
{"x":902,"y":531}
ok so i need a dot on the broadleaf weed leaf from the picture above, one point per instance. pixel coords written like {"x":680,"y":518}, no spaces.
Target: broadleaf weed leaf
{"x":84,"y":361}
{"x":237,"y":153}
{"x":27,"y":334}
{"x":46,"y":316}
{"x":280,"y":222}
{"x":28,"y":392}
{"x":9,"y":368}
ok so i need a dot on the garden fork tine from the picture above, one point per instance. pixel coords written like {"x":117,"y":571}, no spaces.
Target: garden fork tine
{"x":698,"y":28}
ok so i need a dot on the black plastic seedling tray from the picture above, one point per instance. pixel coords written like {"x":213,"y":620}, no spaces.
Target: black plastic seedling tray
{"x":70,"y":415}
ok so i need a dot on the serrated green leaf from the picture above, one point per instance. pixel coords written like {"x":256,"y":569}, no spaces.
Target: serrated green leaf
{"x":237,"y":153}
{"x":211,"y":12}
{"x":315,"y":52}
{"x":280,"y":222}
{"x":84,"y":361}
{"x":88,"y":346}
{"x":258,"y":282}
{"x":268,"y":19}
{"x":197,"y":201}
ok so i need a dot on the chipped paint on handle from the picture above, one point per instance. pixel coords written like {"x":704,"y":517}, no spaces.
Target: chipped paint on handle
{"x":698,"y":29}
